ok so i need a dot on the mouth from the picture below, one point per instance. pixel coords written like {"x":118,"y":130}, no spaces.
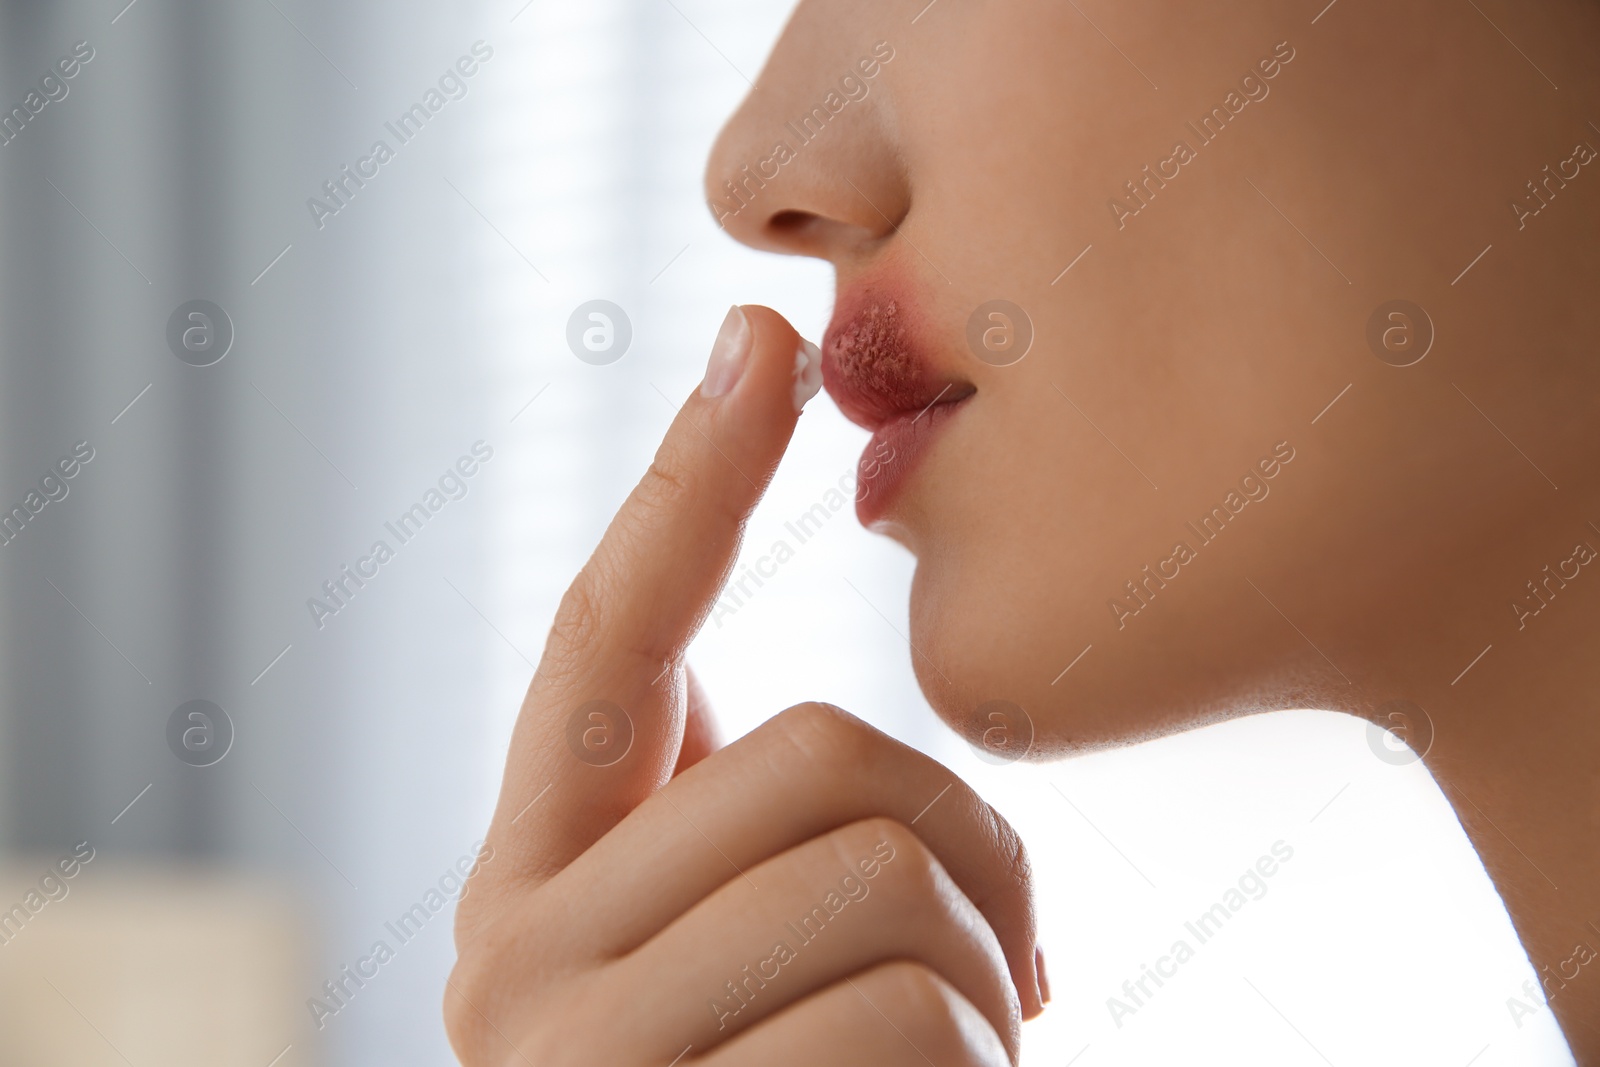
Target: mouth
{"x":884,"y":380}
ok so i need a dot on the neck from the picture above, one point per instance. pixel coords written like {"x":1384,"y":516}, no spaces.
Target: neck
{"x":1514,"y":742}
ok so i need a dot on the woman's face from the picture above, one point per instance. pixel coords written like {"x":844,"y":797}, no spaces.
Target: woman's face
{"x":1098,"y":285}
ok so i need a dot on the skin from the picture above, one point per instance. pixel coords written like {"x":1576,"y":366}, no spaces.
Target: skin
{"x":678,"y":859}
{"x":1192,"y":339}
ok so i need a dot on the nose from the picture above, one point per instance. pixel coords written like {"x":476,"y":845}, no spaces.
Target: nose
{"x":807,"y":165}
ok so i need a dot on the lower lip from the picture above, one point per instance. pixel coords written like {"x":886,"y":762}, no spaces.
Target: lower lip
{"x":892,"y":456}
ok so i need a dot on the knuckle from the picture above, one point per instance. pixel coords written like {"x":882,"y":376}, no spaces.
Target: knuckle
{"x":676,"y":479}
{"x":665,"y":482}
{"x":914,"y":869}
{"x":905,"y":866}
{"x":498,"y":974}
{"x":924,"y":1003}
{"x":463,"y":1024}
{"x":828,"y":736}
{"x":919,"y":993}
{"x":901,"y":840}
{"x":579,"y":618}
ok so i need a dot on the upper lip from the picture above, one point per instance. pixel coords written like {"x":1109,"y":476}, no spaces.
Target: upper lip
{"x":873,"y":365}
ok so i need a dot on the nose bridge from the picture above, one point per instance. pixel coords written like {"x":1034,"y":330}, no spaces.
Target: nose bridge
{"x":806,"y":164}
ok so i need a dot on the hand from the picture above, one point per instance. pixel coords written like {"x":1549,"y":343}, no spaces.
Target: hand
{"x":766,"y":903}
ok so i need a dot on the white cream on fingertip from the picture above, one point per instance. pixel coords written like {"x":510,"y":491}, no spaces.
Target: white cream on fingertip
{"x":807,"y":373}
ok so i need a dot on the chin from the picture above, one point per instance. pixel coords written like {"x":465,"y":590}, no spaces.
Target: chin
{"x":982,"y":642}
{"x":985,"y":633}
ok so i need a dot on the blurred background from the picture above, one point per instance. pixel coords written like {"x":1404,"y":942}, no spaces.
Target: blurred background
{"x":260,"y":747}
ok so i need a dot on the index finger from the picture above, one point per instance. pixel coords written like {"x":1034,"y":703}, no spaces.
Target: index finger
{"x":610,"y":666}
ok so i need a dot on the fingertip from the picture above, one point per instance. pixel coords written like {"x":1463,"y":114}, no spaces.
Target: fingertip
{"x":768,"y":323}
{"x":778,"y":355}
{"x":788,"y":356}
{"x":754,"y":397}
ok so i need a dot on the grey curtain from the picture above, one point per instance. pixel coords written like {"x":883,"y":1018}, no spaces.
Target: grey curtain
{"x":174,"y":166}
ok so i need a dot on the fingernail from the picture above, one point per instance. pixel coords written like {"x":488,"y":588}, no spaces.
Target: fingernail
{"x":729,"y":355}
{"x":1040,"y":974}
{"x":807,"y":373}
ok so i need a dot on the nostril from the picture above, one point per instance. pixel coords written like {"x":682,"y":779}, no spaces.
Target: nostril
{"x":790,"y":222}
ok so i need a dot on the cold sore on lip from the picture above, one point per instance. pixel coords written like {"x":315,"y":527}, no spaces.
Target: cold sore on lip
{"x":873,"y":368}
